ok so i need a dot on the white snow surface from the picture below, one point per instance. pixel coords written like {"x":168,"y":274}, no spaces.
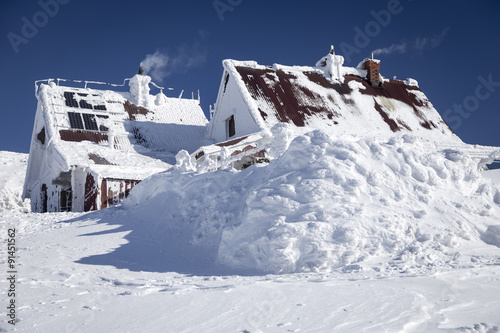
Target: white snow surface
{"x":367,"y":235}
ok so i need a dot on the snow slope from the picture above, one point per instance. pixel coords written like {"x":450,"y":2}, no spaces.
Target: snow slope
{"x":12,"y":172}
{"x":330,"y":203}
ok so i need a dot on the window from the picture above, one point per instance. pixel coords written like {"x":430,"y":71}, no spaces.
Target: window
{"x":85,"y":105}
{"x":43,"y":197}
{"x":87,"y":121}
{"x":70,"y":99}
{"x":226,"y":80}
{"x":84,"y":101}
{"x":75,"y":120}
{"x":102,"y":128}
{"x":65,"y":201}
{"x":90,"y":122}
{"x":231,"y":130}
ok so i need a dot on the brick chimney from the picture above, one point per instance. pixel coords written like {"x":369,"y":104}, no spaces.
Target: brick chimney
{"x":372,"y":67}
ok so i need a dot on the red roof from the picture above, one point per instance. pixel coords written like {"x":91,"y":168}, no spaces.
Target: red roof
{"x":292,"y":99}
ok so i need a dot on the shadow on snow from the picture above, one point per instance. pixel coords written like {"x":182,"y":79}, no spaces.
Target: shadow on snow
{"x":153,"y":247}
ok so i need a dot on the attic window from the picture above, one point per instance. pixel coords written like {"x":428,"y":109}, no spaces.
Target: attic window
{"x":231,"y":129}
{"x":41,"y":136}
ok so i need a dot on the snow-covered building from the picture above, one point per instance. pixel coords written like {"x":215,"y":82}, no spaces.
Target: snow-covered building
{"x":91,"y":146}
{"x":329,"y":96}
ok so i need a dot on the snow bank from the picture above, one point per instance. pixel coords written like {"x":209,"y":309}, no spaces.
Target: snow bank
{"x":332,"y":203}
{"x":12,"y":173}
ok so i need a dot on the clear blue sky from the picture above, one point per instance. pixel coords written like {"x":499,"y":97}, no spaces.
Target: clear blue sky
{"x":450,"y":47}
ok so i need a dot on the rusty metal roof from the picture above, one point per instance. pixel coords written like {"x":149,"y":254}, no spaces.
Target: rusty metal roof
{"x":294,"y":97}
{"x":133,"y":110}
{"x":79,"y":136}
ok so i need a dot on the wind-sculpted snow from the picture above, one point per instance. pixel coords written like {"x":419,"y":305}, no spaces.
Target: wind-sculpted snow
{"x":12,"y":172}
{"x":330,"y":203}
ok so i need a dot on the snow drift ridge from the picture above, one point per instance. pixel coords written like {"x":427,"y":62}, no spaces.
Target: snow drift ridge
{"x":331,"y":203}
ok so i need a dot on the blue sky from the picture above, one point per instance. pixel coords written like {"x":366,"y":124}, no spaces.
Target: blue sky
{"x":450,"y":47}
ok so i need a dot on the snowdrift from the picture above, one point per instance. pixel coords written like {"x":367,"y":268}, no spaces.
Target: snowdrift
{"x":12,"y":173}
{"x":330,"y":203}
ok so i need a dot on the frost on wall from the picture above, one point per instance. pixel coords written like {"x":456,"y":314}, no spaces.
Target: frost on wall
{"x":104,"y":142}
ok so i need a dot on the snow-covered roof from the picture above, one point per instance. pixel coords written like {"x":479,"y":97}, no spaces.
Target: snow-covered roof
{"x":335,"y":98}
{"x":125,"y":135}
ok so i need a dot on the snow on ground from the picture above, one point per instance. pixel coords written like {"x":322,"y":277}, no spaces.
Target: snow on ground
{"x":12,"y":173}
{"x":494,"y":175}
{"x":60,"y":289}
{"x":369,"y":235}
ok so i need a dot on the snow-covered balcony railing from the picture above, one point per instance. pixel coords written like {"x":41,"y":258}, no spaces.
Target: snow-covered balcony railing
{"x":240,"y":153}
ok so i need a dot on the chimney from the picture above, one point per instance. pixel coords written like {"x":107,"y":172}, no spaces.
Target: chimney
{"x":141,"y":70}
{"x":372,"y":67}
